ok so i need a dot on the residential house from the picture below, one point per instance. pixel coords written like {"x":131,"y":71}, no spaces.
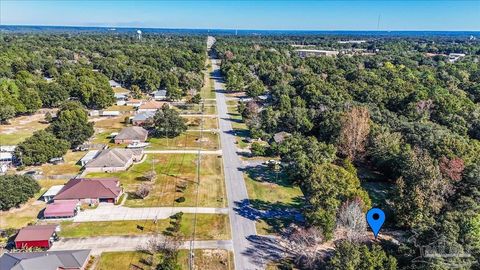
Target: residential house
{"x":48,"y":260}
{"x":151,"y":106}
{"x":142,"y":118}
{"x":131,"y":135}
{"x":114,"y":159}
{"x":121,"y":98}
{"x":134,"y":102}
{"x":36,"y":236}
{"x":160,"y":94}
{"x":309,"y":53}
{"x":62,"y":209}
{"x":453,"y":57}
{"x":51,"y":192}
{"x":114,"y":84}
{"x":91,"y":190}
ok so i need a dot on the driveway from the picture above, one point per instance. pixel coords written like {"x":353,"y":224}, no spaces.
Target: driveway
{"x":128,"y":243}
{"x":110,"y":212}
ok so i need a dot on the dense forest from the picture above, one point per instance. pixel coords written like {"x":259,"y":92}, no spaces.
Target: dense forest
{"x":398,"y":116}
{"x":80,"y":66}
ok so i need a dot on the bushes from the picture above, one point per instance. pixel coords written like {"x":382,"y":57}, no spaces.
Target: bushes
{"x":16,"y":189}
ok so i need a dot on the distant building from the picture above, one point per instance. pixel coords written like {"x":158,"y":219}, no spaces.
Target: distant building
{"x":114,"y":159}
{"x":142,"y":118}
{"x":351,"y":41}
{"x":134,"y":102}
{"x":453,"y":57}
{"x":312,"y":53}
{"x":110,"y":113}
{"x":90,"y":191}
{"x":281,"y":136}
{"x":51,"y":192}
{"x":151,"y":106}
{"x":160,"y":94}
{"x":37,"y":236}
{"x":48,"y":260}
{"x":114,"y":84}
{"x":131,"y":134}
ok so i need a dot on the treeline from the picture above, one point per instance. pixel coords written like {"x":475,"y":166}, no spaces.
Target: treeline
{"x":81,"y":65}
{"x":410,"y":117}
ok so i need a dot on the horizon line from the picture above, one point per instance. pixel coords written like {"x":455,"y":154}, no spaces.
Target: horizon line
{"x":238,"y":29}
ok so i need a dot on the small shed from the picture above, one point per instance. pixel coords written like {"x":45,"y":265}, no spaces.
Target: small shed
{"x":51,"y":192}
{"x":114,"y":84}
{"x":61,"y":209}
{"x":37,"y":236}
{"x":160,"y":94}
{"x":88,"y":156}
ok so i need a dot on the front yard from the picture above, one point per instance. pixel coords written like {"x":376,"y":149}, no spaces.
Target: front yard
{"x":176,"y":178}
{"x":186,"y":141}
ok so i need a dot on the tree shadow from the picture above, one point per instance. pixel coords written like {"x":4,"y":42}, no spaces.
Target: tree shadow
{"x":277,"y":216}
{"x":264,"y":249}
{"x":264,"y":174}
{"x":233,"y":120}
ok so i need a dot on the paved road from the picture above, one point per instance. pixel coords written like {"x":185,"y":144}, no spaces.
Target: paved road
{"x":110,"y":212}
{"x":127,"y":243}
{"x":235,"y":184}
{"x":193,"y":151}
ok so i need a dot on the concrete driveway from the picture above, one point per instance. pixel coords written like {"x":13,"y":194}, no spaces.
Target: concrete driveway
{"x":110,"y":212}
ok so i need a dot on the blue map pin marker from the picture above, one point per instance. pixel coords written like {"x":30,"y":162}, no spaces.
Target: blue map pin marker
{"x":375,"y":219}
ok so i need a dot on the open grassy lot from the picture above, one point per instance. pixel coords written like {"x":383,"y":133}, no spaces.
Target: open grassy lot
{"x":196,"y":122}
{"x":211,"y":259}
{"x":196,"y":108}
{"x":20,"y":128}
{"x":176,"y":178}
{"x":208,"y":90}
{"x":69,"y":167}
{"x":28,"y":212}
{"x":208,"y":259}
{"x":209,"y":227}
{"x":120,"y":90}
{"x":267,"y":191}
{"x":186,"y":140}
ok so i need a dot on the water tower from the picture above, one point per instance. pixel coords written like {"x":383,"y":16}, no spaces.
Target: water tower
{"x":139,"y":34}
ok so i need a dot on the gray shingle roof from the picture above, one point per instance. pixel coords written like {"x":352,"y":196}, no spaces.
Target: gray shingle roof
{"x":50,"y":260}
{"x":113,"y":157}
{"x":132,"y":133}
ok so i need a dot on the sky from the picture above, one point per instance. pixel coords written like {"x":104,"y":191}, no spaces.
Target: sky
{"x":268,"y":15}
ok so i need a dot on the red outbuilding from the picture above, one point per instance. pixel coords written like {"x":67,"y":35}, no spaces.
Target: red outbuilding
{"x":39,"y":236}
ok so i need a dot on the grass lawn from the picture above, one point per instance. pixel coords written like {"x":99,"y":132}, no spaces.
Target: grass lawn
{"x":111,"y":122}
{"x":20,"y":128}
{"x":210,"y":259}
{"x":208,"y":90}
{"x":28,"y":212}
{"x":209,"y":227}
{"x":186,"y":140}
{"x":196,"y":109}
{"x":268,"y":191}
{"x":208,"y":122}
{"x":173,"y":171}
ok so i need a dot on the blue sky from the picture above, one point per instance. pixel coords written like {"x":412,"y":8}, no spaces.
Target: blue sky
{"x":286,"y":15}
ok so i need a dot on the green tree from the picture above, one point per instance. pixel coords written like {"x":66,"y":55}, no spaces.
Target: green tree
{"x":52,"y":94}
{"x":351,"y":256}
{"x":71,"y":124}
{"x":255,"y":89}
{"x":168,"y":123}
{"x":16,"y":189}
{"x":40,"y":148}
{"x":326,"y":188}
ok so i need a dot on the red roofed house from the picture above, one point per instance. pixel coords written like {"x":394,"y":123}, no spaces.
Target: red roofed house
{"x":91,"y":191}
{"x":40,"y":236}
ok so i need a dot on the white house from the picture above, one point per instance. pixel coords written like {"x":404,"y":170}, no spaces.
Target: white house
{"x":160,"y":94}
{"x":114,"y":84}
{"x":110,"y":113}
